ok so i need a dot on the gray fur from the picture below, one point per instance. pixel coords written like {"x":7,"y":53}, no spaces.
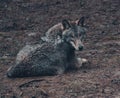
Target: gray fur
{"x":50,"y":57}
{"x":45,"y":60}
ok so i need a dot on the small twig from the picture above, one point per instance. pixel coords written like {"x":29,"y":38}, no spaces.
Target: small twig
{"x":29,"y":82}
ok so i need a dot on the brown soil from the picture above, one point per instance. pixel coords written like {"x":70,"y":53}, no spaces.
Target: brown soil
{"x":24,"y":21}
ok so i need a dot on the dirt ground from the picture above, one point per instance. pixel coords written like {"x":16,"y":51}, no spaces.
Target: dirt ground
{"x":24,"y":21}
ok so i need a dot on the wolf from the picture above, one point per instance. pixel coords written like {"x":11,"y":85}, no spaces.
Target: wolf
{"x":48,"y":59}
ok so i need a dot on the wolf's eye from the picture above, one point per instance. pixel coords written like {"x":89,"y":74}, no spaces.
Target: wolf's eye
{"x":72,"y":35}
{"x":72,"y":40}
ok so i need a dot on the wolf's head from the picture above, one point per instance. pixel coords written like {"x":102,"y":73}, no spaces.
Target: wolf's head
{"x":74,"y":33}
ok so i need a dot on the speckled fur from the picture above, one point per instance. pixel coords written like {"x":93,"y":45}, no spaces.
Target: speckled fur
{"x":49,"y":58}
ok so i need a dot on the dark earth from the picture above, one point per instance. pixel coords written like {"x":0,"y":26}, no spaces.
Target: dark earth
{"x":25,"y":21}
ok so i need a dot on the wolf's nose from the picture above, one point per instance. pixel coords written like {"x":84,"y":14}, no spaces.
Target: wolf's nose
{"x":80,"y":48}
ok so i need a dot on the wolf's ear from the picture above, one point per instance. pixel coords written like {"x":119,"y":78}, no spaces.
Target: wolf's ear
{"x":81,"y":21}
{"x":66,"y":24}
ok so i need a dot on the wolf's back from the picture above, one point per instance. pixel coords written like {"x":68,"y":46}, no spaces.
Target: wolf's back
{"x":38,"y":60}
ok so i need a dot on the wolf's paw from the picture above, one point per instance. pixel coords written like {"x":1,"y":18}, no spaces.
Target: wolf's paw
{"x":84,"y":60}
{"x":81,"y":61}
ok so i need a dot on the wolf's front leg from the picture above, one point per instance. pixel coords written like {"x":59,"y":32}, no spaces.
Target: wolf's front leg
{"x":81,"y":61}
